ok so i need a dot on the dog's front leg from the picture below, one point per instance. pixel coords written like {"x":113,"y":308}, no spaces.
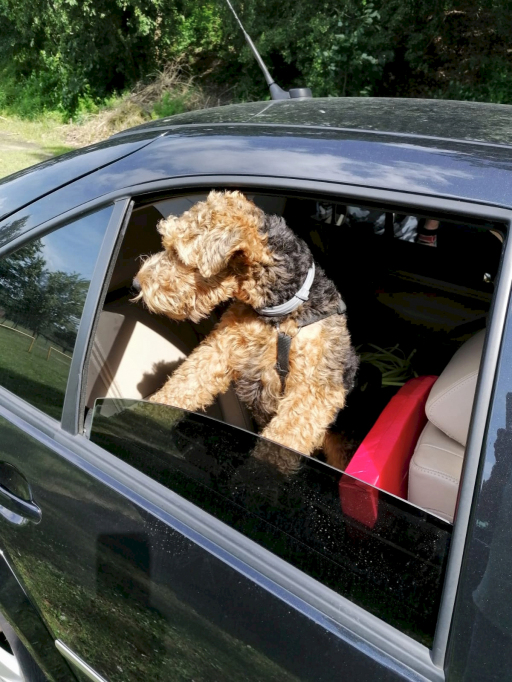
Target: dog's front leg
{"x":303,"y":417}
{"x":301,"y":422}
{"x":204,"y":374}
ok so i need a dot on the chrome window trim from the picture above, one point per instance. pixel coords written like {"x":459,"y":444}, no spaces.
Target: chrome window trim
{"x":75,"y":660}
{"x":70,"y":410}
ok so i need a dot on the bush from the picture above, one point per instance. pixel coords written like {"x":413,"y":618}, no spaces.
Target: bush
{"x":169,"y":105}
{"x":169,"y":92}
{"x":72,"y":55}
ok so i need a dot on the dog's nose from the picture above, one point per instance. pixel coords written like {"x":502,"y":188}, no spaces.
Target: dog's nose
{"x":136,"y":285}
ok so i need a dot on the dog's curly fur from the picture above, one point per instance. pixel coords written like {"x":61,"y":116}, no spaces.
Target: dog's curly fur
{"x":227,"y":248}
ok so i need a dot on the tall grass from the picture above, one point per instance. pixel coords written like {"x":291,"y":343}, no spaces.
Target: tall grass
{"x":34,"y":127}
{"x":170,"y":91}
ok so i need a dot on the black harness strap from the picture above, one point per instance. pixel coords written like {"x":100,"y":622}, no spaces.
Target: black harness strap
{"x":284,"y":341}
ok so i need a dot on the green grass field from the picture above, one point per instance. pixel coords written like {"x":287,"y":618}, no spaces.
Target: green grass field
{"x":33,"y":377}
{"x":25,"y":143}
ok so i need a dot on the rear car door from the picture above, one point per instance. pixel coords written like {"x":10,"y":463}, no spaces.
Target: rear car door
{"x":155,"y":547}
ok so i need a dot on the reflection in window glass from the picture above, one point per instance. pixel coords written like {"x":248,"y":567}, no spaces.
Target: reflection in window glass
{"x":371,"y":547}
{"x":43,"y":286}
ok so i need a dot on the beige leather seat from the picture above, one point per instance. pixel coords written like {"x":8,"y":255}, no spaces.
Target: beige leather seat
{"x":134,"y":352}
{"x":435,"y":468}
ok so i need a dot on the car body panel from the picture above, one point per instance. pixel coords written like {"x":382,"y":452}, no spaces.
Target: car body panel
{"x":441,"y":119}
{"x":119,"y":579}
{"x":19,"y":611}
{"x":27,"y":185}
{"x":137,"y":595}
{"x":451,"y":170}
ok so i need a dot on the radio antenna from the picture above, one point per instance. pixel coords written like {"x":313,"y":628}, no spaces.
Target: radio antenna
{"x":276,"y":92}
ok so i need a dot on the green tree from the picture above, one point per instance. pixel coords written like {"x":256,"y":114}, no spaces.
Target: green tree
{"x":64,"y":299}
{"x":65,"y":53}
{"x":20,"y":277}
{"x":46,"y":302}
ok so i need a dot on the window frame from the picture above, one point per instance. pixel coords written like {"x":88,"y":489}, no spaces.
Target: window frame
{"x":328,"y":608}
{"x":37,"y":233}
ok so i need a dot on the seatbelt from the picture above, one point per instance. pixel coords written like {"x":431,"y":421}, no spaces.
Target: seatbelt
{"x":284,"y":341}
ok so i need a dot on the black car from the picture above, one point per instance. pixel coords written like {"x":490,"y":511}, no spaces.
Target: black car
{"x":140,"y":542}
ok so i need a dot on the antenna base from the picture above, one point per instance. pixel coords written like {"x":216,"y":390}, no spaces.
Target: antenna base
{"x":300,"y":93}
{"x":277,"y":92}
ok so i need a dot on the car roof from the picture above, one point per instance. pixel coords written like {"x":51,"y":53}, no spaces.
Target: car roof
{"x":439,"y":119}
{"x":22,"y":188}
{"x":456,"y":150}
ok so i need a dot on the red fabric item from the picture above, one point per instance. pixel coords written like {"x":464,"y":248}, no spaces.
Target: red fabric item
{"x":383,"y":457}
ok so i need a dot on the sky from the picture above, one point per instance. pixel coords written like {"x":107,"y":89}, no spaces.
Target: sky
{"x":75,"y":247}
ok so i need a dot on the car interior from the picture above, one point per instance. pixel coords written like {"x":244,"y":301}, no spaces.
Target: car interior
{"x":418,"y":302}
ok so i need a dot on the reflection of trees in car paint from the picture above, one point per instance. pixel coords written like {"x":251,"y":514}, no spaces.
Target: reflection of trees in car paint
{"x":11,"y":230}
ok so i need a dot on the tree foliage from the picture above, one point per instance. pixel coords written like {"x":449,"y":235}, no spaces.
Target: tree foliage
{"x":60,"y":53}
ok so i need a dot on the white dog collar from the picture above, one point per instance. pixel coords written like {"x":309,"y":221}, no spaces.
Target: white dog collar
{"x":300,"y":297}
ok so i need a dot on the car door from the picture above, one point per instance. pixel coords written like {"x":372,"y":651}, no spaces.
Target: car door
{"x":155,"y":547}
{"x":123,"y":588}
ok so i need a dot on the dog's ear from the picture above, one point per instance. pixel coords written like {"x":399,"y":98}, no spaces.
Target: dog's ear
{"x":211,"y":232}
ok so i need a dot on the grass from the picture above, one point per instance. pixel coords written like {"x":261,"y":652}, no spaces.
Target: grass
{"x":32,"y":376}
{"x":27,"y":141}
{"x":24,"y":143}
{"x":392,"y":363}
{"x":170,"y":91}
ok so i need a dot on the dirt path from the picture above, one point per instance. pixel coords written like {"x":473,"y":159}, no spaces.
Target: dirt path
{"x":16,"y":153}
{"x":9,"y":142}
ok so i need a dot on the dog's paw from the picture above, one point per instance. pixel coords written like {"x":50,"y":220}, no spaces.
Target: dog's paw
{"x":338,"y":450}
{"x":286,"y":461}
{"x":160,"y":398}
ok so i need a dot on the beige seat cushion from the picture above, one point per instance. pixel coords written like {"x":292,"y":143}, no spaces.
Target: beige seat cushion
{"x":451,"y":398}
{"x":435,"y":468}
{"x":434,"y":472}
{"x":129,"y":359}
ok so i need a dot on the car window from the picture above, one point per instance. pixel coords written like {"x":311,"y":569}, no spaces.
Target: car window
{"x":43,"y":286}
{"x":371,"y":547}
{"x":416,"y":311}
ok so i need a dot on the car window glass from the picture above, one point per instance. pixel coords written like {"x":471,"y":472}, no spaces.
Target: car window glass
{"x":373,"y":548}
{"x":43,"y":286}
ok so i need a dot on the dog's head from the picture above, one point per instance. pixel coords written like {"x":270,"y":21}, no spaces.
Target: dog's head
{"x":208,"y":253}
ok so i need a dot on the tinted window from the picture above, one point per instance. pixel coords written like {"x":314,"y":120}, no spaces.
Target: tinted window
{"x":43,"y":286}
{"x":371,"y":547}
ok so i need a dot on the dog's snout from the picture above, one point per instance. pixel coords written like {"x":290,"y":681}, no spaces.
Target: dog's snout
{"x":136,"y":285}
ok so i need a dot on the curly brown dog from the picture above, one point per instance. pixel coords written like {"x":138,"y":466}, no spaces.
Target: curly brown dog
{"x":283,"y":341}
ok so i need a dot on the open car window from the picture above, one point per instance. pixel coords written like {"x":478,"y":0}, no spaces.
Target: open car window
{"x":375,"y":549}
{"x":418,"y":291}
